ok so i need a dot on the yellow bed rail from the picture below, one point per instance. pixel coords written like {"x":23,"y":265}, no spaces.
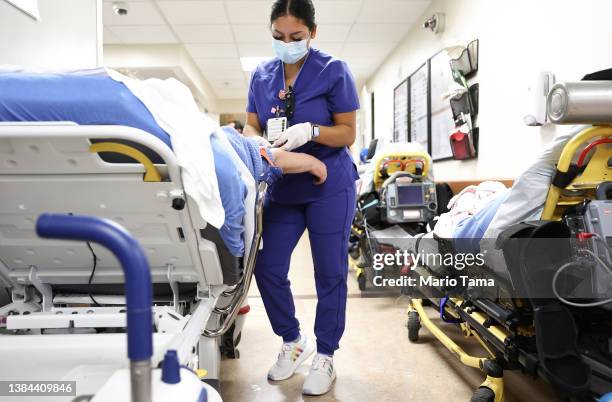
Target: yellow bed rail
{"x":151,"y":172}
{"x":596,"y":171}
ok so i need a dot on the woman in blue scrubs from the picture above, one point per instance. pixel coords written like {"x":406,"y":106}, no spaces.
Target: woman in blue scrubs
{"x":316,"y":94}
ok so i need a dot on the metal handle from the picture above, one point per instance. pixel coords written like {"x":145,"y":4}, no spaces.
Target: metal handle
{"x":138,"y":288}
{"x":241,"y":290}
{"x":151,"y":172}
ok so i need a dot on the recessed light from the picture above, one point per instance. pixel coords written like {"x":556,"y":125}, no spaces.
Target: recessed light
{"x":249,"y":63}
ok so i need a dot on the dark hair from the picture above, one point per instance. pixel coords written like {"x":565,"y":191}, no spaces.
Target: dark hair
{"x":301,"y":9}
{"x":238,"y":125}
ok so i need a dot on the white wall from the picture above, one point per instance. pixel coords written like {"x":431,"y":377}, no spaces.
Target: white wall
{"x":68,"y":35}
{"x":160,"y":60}
{"x":517,"y":39}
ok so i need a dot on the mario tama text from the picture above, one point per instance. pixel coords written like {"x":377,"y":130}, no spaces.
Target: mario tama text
{"x":431,"y":281}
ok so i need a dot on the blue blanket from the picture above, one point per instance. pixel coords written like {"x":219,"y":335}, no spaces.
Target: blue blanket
{"x":96,"y":100}
{"x":85,"y":100}
{"x":469,"y":232}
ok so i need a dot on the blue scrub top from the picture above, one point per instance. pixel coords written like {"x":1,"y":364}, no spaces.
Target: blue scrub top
{"x":324,"y":86}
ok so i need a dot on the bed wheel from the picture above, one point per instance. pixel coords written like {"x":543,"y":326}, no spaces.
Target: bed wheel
{"x":361,"y":282}
{"x":483,"y":394}
{"x":414,"y":325}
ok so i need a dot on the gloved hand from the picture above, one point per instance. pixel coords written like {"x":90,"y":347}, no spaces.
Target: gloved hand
{"x":261,"y":141}
{"x":294,"y":137}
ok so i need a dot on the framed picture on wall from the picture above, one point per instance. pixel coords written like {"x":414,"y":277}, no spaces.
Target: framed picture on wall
{"x":400,"y":112}
{"x":419,"y":106}
{"x":442,"y":122}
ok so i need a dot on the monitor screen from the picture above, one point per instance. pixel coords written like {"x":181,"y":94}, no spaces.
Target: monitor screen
{"x":410,"y":195}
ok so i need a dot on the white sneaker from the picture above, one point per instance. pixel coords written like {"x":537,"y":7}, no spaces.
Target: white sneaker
{"x":321,"y":376}
{"x":292,"y":354}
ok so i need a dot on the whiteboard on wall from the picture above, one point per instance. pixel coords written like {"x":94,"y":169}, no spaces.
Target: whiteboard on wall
{"x":29,"y":7}
{"x":442,"y":121}
{"x":400,"y":112}
{"x":419,"y":106}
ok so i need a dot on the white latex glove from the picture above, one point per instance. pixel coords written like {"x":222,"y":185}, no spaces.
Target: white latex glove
{"x":294,"y":137}
{"x":261,"y":141}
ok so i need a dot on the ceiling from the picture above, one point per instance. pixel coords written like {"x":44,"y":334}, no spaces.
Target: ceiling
{"x":216,"y":33}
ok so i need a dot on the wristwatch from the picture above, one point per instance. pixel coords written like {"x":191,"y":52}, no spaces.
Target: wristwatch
{"x":315,"y":131}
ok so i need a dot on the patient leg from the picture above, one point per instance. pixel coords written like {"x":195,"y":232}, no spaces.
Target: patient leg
{"x":296,"y":162}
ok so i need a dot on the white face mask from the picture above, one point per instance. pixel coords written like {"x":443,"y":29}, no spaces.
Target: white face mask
{"x":291,"y":52}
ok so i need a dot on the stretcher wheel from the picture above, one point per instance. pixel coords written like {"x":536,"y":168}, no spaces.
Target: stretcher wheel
{"x":414,"y":325}
{"x":483,"y":394}
{"x":361,"y":282}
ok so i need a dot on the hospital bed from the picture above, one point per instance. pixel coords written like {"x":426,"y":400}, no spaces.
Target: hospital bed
{"x":524,"y":323}
{"x":67,"y":316}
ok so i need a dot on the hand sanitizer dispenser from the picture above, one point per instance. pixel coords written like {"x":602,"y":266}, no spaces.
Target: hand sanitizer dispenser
{"x":536,"y":99}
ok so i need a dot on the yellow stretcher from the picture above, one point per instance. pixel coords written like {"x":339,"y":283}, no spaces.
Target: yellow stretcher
{"x":594,"y":142}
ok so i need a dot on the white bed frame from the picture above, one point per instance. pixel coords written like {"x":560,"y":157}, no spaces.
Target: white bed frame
{"x":48,"y":167}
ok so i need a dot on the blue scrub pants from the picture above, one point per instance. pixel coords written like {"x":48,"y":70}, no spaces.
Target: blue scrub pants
{"x":328,"y":221}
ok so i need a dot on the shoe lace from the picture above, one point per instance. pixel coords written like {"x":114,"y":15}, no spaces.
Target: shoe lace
{"x":286,"y":351}
{"x":321,"y":363}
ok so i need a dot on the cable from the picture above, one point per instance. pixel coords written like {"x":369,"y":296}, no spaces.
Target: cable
{"x":605,"y":245}
{"x":570,"y":303}
{"x":93,"y":271}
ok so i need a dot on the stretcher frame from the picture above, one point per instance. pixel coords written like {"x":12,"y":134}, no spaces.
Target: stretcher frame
{"x":404,"y":161}
{"x":477,"y":324}
{"x":191,"y":326}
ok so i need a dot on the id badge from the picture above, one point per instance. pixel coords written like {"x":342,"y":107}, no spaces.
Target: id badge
{"x":276,"y":126}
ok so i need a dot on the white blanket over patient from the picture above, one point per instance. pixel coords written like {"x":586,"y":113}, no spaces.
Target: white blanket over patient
{"x":465,"y":205}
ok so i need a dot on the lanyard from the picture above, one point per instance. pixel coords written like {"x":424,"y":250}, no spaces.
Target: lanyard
{"x":288,"y":95}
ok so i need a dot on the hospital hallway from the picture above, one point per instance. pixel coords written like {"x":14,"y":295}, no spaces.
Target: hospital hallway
{"x":375,"y":362}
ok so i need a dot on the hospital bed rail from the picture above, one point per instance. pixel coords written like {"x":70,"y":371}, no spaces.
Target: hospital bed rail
{"x":59,"y":167}
{"x":240,"y":291}
{"x":66,"y":149}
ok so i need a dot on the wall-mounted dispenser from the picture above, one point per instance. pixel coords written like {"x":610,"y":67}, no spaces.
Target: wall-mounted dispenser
{"x":536,"y":99}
